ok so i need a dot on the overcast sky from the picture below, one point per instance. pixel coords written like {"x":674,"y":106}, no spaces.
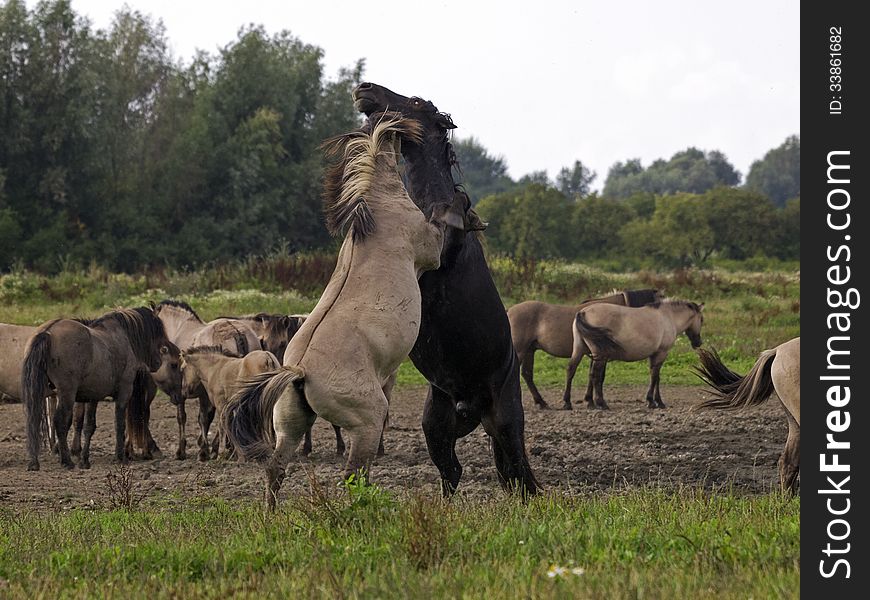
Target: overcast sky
{"x":544,"y":83}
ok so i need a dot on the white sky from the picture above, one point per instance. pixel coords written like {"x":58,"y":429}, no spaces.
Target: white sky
{"x":543,"y":83}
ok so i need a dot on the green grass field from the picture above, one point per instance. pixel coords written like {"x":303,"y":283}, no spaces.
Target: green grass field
{"x":367,"y":543}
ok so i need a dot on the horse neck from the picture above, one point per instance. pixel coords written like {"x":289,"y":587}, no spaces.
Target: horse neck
{"x":680,"y":314}
{"x":427,"y":170}
{"x":110,"y":330}
{"x":208,"y":365}
{"x":180,"y":326}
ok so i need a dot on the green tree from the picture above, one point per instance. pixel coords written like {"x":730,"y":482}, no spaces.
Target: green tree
{"x":575,"y":182}
{"x":741,"y":221}
{"x":482,"y":174}
{"x":691,"y":170}
{"x":678,"y":234}
{"x":778,"y":174}
{"x":595,"y":226}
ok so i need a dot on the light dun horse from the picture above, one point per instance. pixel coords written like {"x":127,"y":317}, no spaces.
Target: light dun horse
{"x":542,"y":326}
{"x":367,"y":319}
{"x":610,"y":332}
{"x":220,"y":373}
{"x":187,"y":330}
{"x":777,"y":370}
{"x":88,"y":360}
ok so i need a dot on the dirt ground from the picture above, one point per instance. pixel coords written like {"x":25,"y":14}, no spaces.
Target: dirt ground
{"x":585,"y":451}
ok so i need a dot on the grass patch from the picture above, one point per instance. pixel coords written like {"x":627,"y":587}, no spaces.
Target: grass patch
{"x":368,"y":543}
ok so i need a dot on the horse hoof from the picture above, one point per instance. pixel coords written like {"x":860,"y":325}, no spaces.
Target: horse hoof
{"x":180,"y":455}
{"x":68,"y":465}
{"x":154,"y":454}
{"x":202,"y":457}
{"x":567,"y":406}
{"x":33,"y":466}
{"x":84,"y":465}
{"x":661,"y":405}
{"x":602,"y":406}
{"x":543,"y":406}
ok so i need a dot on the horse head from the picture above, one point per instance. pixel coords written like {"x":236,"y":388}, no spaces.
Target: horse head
{"x":168,"y":377}
{"x":693,"y":332}
{"x":428,"y":161}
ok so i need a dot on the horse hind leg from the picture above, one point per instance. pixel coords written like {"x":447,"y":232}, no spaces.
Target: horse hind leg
{"x":291,"y":418}
{"x":596,"y":376}
{"x":206,"y":416}
{"x":527,"y":369}
{"x":439,"y":427}
{"x":89,"y":411}
{"x":572,"y":369}
{"x":789,"y":462}
{"x":654,"y":394}
{"x":78,"y":424}
{"x":63,"y":419}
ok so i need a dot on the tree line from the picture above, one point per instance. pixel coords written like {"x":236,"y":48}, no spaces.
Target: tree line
{"x":116,"y":152}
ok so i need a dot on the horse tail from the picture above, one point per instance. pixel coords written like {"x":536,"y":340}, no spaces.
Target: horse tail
{"x":34,"y":389}
{"x":600,"y":336}
{"x":137,"y":408}
{"x":247,"y":418}
{"x":731,"y":390}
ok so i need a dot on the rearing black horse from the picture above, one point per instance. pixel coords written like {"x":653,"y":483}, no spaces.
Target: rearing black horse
{"x":464,"y":348}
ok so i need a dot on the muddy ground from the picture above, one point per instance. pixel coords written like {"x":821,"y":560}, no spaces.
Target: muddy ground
{"x":582,"y":450}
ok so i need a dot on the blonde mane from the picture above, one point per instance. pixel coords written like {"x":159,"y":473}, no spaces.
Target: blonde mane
{"x":347,"y":182}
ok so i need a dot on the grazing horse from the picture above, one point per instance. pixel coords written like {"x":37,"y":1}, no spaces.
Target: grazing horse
{"x":365,"y":322}
{"x":221,"y":372}
{"x":186,"y":330}
{"x":611,"y":332}
{"x":464,"y":348}
{"x":543,"y":326}
{"x":88,"y":360}
{"x":777,"y":370}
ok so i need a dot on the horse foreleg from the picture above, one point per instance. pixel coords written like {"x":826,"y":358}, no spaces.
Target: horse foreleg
{"x":89,"y":426}
{"x":365,"y":436}
{"x":789,"y":462}
{"x":527,"y":369}
{"x":181,"y":418}
{"x":291,"y":418}
{"x":206,"y":415}
{"x":439,"y":427}
{"x":339,"y":441}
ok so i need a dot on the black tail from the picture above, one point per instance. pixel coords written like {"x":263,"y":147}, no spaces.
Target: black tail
{"x":34,"y":389}
{"x":144,"y":390}
{"x":247,"y":417}
{"x":731,"y":390}
{"x":601,"y":337}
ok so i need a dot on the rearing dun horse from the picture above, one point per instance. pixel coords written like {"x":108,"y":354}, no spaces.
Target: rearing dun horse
{"x":364,"y":325}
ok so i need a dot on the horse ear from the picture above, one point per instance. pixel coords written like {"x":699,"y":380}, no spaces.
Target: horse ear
{"x":446,"y":214}
{"x":701,"y":307}
{"x":473,"y":222}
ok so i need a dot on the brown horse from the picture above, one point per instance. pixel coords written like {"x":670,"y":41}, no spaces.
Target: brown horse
{"x":777,"y":370}
{"x":367,"y":319}
{"x":88,"y":360}
{"x":611,"y":332}
{"x":542,"y":326}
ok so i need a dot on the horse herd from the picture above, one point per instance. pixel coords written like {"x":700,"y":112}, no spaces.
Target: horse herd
{"x":411,"y":279}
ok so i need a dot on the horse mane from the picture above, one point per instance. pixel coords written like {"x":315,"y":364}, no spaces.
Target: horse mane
{"x":347,"y":182}
{"x":178,"y":304}
{"x":675,"y":302}
{"x":140,"y":324}
{"x":211,"y":350}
